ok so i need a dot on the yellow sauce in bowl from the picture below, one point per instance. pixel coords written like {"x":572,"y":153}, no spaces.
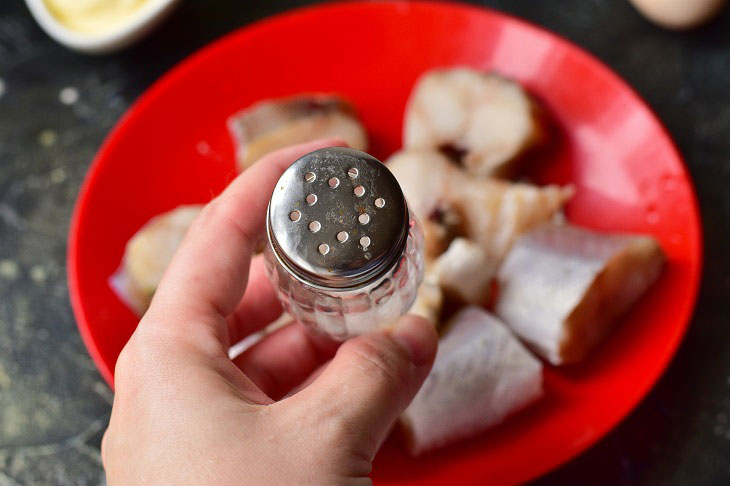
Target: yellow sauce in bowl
{"x":93,"y":16}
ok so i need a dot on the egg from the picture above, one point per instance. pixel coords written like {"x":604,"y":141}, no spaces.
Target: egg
{"x":678,"y":14}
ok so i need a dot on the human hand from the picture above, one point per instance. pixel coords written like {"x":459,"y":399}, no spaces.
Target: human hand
{"x":184,"y":413}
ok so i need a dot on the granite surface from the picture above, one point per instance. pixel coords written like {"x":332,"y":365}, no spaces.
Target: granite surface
{"x":56,"y":107}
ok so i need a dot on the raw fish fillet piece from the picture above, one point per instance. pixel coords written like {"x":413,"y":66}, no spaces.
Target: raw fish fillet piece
{"x":429,"y":300}
{"x":465,"y":273}
{"x":272,"y":124}
{"x":442,"y":225}
{"x":148,"y":253}
{"x":562,"y":288}
{"x":482,"y":374}
{"x":424,"y":177}
{"x":488,"y":120}
{"x":492,"y":213}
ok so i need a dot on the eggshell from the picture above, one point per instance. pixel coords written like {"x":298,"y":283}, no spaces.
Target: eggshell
{"x":678,"y":14}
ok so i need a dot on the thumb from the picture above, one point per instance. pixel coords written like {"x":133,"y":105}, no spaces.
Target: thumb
{"x":371,"y":380}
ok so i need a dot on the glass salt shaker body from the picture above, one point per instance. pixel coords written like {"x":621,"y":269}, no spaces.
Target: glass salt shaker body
{"x":344,"y":253}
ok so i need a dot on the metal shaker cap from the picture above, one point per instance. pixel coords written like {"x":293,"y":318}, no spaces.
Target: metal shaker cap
{"x":337,"y":218}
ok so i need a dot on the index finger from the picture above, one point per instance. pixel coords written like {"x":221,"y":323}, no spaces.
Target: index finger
{"x":208,"y":275}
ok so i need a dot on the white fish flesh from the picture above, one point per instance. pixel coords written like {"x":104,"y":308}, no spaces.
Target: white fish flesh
{"x":149,"y":252}
{"x":429,"y":300}
{"x":465,"y":273}
{"x":492,"y":213}
{"x":485,"y":118}
{"x":272,"y":124}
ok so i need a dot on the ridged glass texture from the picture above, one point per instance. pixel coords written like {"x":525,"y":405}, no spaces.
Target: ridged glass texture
{"x":341,"y":314}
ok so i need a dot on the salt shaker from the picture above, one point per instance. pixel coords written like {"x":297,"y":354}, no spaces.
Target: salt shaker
{"x":344,"y":252}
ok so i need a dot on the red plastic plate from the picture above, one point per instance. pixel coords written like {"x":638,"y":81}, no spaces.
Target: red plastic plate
{"x":172,"y":147}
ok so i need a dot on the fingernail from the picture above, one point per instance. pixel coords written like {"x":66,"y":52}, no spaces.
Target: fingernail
{"x":418,"y":337}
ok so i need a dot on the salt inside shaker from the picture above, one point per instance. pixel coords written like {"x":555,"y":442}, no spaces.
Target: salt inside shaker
{"x":344,"y":252}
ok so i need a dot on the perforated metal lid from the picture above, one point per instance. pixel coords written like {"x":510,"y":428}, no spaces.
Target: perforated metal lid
{"x":337,"y":218}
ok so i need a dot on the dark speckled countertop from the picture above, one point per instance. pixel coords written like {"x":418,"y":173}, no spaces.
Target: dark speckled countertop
{"x":56,"y":107}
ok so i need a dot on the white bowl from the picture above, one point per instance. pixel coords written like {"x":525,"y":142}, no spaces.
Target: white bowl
{"x":137,"y":26}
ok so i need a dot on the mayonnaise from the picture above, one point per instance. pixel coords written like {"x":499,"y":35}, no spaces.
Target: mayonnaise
{"x":93,"y":16}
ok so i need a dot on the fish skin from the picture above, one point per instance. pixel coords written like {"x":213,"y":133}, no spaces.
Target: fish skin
{"x":562,"y":288}
{"x":481,"y":375}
